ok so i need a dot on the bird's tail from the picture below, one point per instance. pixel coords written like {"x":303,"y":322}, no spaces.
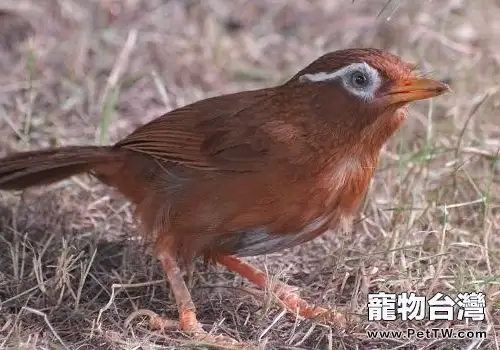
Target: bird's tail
{"x":27,"y":169}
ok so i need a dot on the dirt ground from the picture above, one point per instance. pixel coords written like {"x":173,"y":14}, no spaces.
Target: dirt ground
{"x":89,"y":72}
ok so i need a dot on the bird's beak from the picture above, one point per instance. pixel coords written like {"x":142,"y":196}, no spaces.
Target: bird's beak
{"x":414,"y":89}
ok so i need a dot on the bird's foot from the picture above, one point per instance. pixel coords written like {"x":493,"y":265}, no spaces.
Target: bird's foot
{"x":189,"y":324}
{"x":296,"y":305}
{"x":288,"y":295}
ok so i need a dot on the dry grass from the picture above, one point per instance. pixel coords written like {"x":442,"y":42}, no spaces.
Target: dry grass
{"x":96,"y":69}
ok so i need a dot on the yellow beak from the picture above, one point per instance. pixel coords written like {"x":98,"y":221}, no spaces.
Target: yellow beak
{"x":414,"y":89}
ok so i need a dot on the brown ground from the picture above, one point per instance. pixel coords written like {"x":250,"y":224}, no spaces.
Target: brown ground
{"x":96,"y":69}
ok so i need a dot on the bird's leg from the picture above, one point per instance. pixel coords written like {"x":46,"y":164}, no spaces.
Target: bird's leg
{"x":284,"y":292}
{"x":185,"y":305}
{"x":187,"y":311}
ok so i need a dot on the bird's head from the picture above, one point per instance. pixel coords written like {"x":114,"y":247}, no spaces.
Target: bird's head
{"x":364,"y":90}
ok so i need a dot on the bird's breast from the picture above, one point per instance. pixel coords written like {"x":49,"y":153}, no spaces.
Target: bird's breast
{"x":251,"y":215}
{"x":329,"y":203}
{"x":343,"y":185}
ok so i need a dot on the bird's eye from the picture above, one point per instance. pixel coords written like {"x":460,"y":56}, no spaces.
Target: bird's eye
{"x":359,"y":79}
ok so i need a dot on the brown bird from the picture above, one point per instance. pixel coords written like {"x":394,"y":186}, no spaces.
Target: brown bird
{"x":252,"y":172}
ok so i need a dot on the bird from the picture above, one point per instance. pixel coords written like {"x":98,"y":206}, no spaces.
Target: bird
{"x":251,"y":172}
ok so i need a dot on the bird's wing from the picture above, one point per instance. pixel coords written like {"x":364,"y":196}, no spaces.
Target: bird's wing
{"x":220,"y":133}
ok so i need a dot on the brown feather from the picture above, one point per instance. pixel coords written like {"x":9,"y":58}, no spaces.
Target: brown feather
{"x":246,"y":173}
{"x":43,"y":167}
{"x":207,"y":134}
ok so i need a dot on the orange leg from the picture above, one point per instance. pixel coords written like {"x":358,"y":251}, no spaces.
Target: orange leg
{"x":185,"y":305}
{"x":187,"y":311}
{"x":284,"y":292}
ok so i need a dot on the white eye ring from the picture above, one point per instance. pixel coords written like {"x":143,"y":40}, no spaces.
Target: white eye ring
{"x":348,"y":76}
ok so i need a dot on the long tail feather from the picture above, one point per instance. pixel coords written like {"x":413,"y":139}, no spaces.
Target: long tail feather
{"x":35,"y":168}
